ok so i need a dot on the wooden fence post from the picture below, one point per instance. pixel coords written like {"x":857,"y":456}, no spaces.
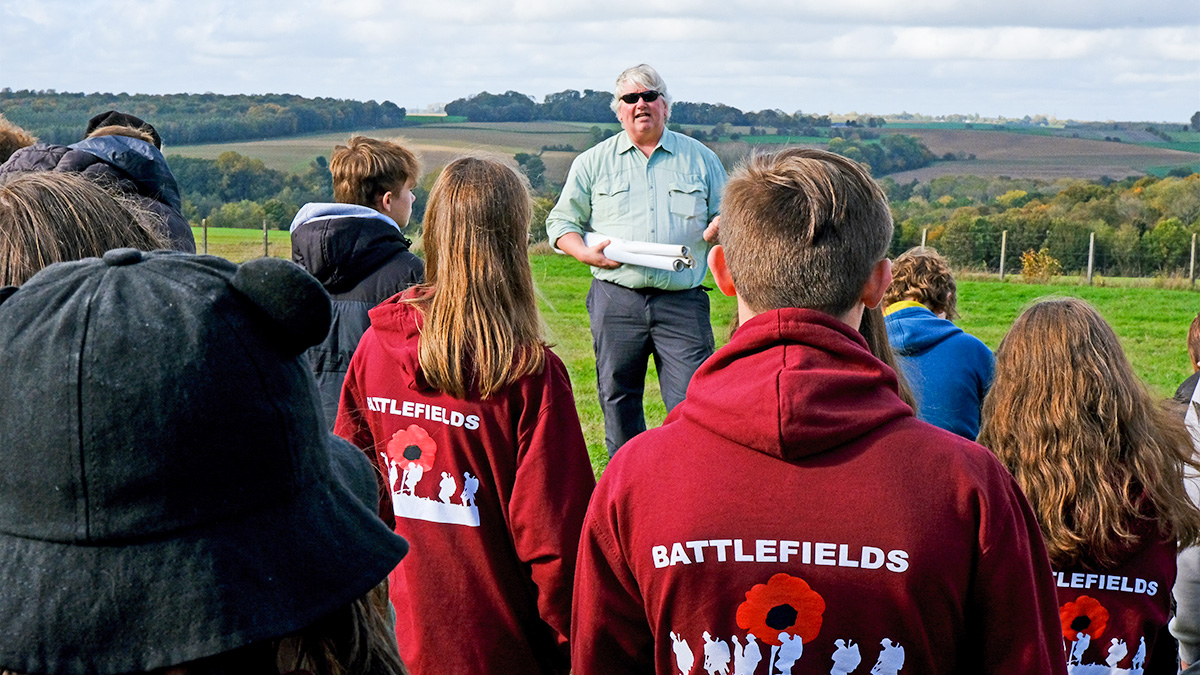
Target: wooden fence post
{"x":924,"y":233}
{"x":1003,"y":248}
{"x":204,"y":233}
{"x":1192,"y":266}
{"x":1091,"y":256}
{"x":266,"y":250}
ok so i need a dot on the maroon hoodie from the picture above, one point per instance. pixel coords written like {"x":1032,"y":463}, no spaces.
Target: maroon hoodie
{"x":1116,"y":616}
{"x":490,"y":493}
{"x":792,"y":516}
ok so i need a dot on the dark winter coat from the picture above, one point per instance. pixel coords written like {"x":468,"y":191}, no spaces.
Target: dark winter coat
{"x":362,"y":259}
{"x":133,"y":166}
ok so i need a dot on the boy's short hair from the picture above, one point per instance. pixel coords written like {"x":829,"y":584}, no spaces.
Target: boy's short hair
{"x":923,"y":275}
{"x":803,"y":228}
{"x":129,"y":132}
{"x":365,"y":168}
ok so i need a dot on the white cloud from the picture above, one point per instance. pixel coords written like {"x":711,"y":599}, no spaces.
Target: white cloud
{"x":1119,"y":59}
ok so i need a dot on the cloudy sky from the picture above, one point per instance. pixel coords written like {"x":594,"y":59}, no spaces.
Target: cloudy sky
{"x":1078,"y":59}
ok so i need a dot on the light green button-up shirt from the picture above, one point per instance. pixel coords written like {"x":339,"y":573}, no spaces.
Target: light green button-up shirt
{"x":667,"y":198}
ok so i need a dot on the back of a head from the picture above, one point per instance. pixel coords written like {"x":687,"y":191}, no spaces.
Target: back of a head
{"x":128,"y":132}
{"x":48,"y":217}
{"x":803,"y":228}
{"x":365,"y":168}
{"x":12,"y":138}
{"x":476,"y":261}
{"x":922,"y":275}
{"x":116,"y":123}
{"x":1082,"y":435}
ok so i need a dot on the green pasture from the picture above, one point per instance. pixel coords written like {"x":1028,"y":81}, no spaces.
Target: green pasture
{"x":1151,"y":322}
{"x":240,"y":245}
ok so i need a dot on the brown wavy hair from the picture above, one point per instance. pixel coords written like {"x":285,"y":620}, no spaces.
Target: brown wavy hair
{"x":1096,"y":455}
{"x":481,"y":329}
{"x":923,"y":275}
{"x":1193,"y":343}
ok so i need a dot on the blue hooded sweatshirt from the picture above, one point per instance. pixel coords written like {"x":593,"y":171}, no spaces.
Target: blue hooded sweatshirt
{"x":948,"y":370}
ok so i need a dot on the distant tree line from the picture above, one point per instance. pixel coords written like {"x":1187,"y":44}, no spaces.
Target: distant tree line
{"x":1143,"y":226}
{"x":185,"y":119}
{"x":238,"y":191}
{"x":593,"y":106}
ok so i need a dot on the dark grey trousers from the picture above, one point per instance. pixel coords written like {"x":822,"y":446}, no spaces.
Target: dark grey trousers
{"x":628,"y":327}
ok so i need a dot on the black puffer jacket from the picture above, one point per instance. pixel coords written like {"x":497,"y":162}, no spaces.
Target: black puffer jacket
{"x":362,"y":259}
{"x":135,"y":167}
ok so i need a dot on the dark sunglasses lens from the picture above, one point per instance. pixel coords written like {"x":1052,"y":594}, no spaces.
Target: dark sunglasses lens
{"x":647,"y":96}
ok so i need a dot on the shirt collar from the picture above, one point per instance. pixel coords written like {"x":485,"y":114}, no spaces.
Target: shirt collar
{"x":903,"y":304}
{"x":666,"y":142}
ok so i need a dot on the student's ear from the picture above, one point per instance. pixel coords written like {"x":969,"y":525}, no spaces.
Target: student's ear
{"x":877,"y":284}
{"x":720,"y":270}
{"x":383,"y":203}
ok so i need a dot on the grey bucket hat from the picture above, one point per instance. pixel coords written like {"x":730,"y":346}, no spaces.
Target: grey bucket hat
{"x":168,"y":490}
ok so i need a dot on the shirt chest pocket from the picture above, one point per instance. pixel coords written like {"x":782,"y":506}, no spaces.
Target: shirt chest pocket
{"x":688,"y":199}
{"x":610,"y":201}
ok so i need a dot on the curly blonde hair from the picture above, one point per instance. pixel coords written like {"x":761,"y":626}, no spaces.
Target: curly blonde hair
{"x":12,"y":139}
{"x":1095,"y":453}
{"x":923,"y":275}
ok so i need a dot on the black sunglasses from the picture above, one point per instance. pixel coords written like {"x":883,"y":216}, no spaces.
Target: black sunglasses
{"x":647,"y":96}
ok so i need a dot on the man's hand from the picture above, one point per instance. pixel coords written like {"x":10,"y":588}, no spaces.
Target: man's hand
{"x":712,"y":231}
{"x":572,"y":244}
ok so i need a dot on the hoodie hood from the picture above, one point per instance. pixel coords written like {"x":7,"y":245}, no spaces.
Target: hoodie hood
{"x":397,"y":327}
{"x":805,"y":382}
{"x":342,"y":244}
{"x":914,"y":330}
{"x":143,"y":163}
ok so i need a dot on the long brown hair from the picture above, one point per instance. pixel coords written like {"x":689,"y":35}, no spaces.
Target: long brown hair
{"x":874,"y":331}
{"x":1094,"y":452}
{"x":481,"y":327}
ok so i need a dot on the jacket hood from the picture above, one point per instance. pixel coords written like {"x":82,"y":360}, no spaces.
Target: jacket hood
{"x":324,"y":211}
{"x":341,"y":245}
{"x":913,"y":330}
{"x":141,"y":161}
{"x":804,"y":381}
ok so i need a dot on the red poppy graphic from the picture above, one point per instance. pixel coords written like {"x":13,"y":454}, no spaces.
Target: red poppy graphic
{"x":412,"y":447}
{"x":785,"y":604}
{"x":1085,"y":615}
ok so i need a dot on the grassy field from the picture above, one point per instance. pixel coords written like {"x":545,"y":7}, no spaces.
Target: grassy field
{"x":1151,"y":322}
{"x":436,"y":144}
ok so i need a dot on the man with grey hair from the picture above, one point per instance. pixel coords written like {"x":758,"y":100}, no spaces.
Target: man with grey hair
{"x":646,"y":184}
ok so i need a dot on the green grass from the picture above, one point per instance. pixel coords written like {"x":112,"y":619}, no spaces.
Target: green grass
{"x":434,"y":119}
{"x":1152,"y":323}
{"x":562,"y":284}
{"x":240,"y":245}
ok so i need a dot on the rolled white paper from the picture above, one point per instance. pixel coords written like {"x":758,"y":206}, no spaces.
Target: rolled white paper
{"x":642,"y":247}
{"x":660,"y":262}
